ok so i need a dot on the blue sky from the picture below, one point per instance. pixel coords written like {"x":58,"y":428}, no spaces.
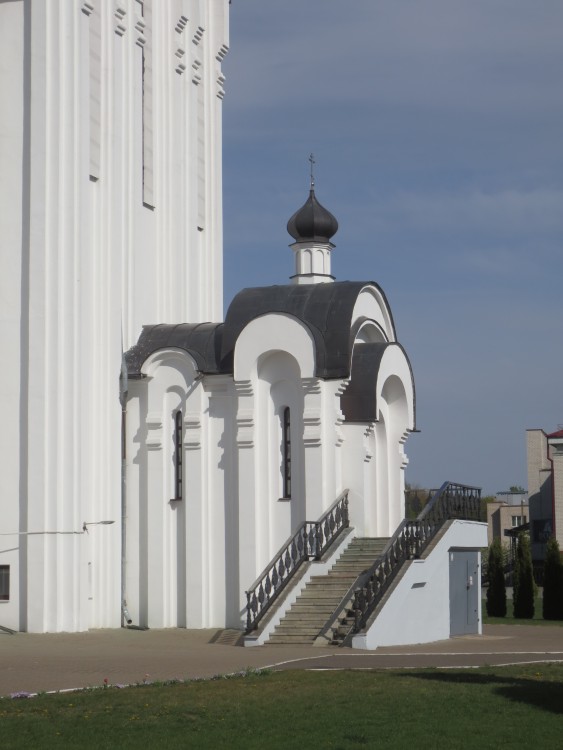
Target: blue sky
{"x":437,"y":127}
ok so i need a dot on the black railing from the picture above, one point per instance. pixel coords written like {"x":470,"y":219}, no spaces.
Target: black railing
{"x":451,"y":501}
{"x":310,"y":541}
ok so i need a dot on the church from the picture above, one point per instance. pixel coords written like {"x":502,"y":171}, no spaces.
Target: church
{"x":159,"y":457}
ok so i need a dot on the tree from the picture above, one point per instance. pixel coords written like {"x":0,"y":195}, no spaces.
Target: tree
{"x":552,"y":582}
{"x":524,"y":587}
{"x":517,"y":489}
{"x":496,"y":593}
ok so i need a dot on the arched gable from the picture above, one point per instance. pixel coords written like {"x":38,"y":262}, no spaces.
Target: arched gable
{"x":372,"y":316}
{"x":269,"y":333}
{"x":201,"y":341}
{"x":377,"y":371}
{"x":177,"y":360}
{"x":335,"y":314}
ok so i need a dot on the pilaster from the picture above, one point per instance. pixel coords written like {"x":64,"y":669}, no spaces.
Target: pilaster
{"x":249,"y":503}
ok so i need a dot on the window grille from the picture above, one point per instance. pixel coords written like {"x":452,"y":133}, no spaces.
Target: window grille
{"x":286,"y":452}
{"x":178,"y":478}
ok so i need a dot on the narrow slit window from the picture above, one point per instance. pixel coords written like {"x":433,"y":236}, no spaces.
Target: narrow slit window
{"x":178,"y":478}
{"x":286,"y":452}
{"x":4,"y":583}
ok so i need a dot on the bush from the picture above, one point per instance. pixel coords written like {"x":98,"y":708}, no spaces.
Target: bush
{"x":496,"y":593}
{"x":552,"y":582}
{"x":524,"y":587}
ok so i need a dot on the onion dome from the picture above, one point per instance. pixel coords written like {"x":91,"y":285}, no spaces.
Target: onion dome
{"x":312,"y":222}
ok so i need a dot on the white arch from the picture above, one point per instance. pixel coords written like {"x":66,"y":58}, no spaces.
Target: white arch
{"x":273,"y":332}
{"x":175,"y":359}
{"x":370,"y":332}
{"x":279,"y":386}
{"x":168,"y":557}
{"x":395,"y":386}
{"x":395,"y":397}
{"x":372,"y":306}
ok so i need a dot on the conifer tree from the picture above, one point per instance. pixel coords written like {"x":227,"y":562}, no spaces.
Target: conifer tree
{"x":524,"y":587}
{"x":496,"y":593}
{"x":552,"y":582}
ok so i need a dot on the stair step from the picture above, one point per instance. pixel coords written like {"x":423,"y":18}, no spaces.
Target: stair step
{"x":311,"y":606}
{"x":309,"y":629}
{"x":286,"y":640}
{"x":328,"y":583}
{"x":308,"y":615}
{"x":300,"y":616}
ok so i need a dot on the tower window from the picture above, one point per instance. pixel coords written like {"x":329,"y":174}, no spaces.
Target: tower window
{"x":286,"y":452}
{"x":178,"y":456}
{"x":4,"y":583}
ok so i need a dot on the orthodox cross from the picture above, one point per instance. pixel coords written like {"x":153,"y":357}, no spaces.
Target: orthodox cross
{"x":312,"y":162}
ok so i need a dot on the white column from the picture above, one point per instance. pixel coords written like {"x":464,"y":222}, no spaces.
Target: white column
{"x":382,"y":463}
{"x":370,"y":480}
{"x":312,"y":440}
{"x":195,"y":499}
{"x":248,"y":541}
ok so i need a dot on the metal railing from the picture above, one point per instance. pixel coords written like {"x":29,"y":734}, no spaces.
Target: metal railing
{"x":451,"y":501}
{"x":310,"y":541}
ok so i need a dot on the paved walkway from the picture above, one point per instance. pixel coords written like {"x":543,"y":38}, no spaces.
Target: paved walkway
{"x":58,"y":661}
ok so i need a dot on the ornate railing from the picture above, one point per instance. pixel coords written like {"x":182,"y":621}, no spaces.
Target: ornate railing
{"x":410,"y":540}
{"x":310,"y":541}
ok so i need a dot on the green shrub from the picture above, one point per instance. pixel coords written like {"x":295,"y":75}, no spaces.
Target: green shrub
{"x":524,"y":587}
{"x":496,"y":593}
{"x":553,"y":582}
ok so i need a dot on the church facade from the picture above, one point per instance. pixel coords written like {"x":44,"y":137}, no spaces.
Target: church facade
{"x":164,"y":454}
{"x":239,"y":432}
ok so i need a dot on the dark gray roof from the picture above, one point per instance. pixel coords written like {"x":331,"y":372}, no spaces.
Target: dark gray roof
{"x":201,"y":340}
{"x":312,"y":222}
{"x":358,"y":402}
{"x":326,"y":310}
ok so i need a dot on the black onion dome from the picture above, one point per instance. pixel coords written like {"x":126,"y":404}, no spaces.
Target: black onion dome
{"x":312,"y":222}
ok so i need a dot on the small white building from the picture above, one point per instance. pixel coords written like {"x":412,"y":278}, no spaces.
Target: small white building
{"x":239,"y":432}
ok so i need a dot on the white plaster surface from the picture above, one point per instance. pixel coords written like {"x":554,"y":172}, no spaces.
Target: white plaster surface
{"x":418,"y":609}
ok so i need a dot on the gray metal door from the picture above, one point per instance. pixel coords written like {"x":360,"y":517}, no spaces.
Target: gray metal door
{"x":464,"y":592}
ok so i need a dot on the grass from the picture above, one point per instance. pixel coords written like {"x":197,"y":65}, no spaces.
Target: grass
{"x":511,"y":620}
{"x":507,"y":707}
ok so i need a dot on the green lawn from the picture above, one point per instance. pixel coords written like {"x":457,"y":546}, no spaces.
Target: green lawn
{"x":510,"y":620}
{"x":510,"y":707}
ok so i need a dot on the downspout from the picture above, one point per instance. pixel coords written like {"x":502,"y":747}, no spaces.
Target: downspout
{"x":123,"y":388}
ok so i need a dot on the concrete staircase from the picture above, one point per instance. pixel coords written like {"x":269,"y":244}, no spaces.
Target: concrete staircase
{"x":322,"y":594}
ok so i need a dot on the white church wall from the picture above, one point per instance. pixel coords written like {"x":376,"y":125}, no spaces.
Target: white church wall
{"x":424,"y":587}
{"x":395,"y":395}
{"x":12,"y":81}
{"x":280,"y":388}
{"x":178,"y":578}
{"x":119,"y":197}
{"x":332,"y":419}
{"x":354,"y":476}
{"x":384,"y":527}
{"x":224,"y":606}
{"x":273,"y":353}
{"x":369,"y":456}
